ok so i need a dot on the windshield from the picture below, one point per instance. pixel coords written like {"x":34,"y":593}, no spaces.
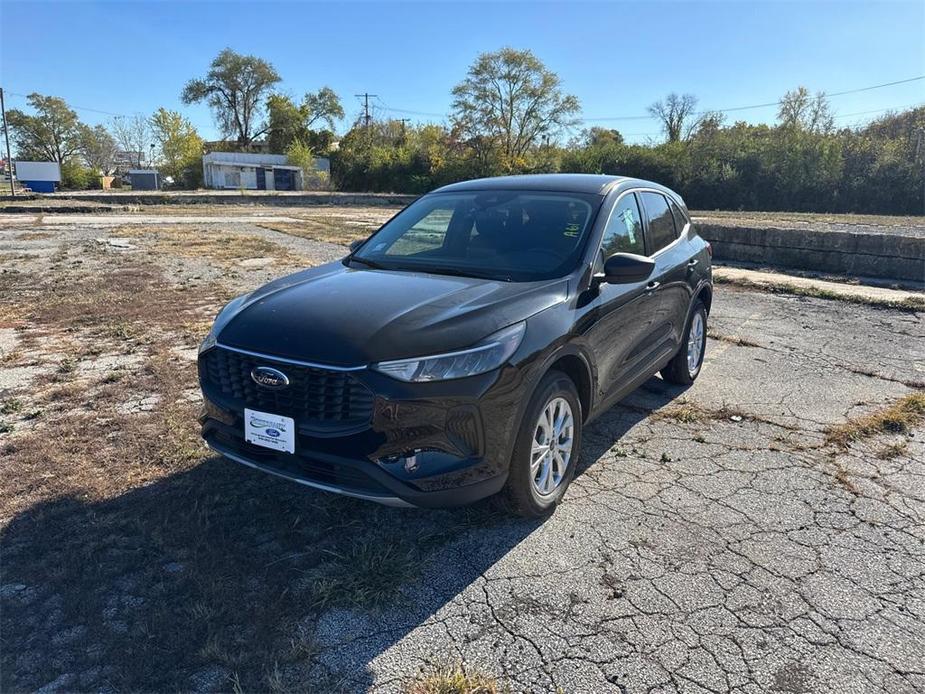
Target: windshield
{"x":506,"y":235}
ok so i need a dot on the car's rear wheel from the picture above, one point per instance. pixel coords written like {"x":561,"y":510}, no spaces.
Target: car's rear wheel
{"x":547,"y":448}
{"x":684,"y":368}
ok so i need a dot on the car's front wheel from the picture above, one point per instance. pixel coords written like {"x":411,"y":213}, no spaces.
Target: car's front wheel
{"x":547,"y":447}
{"x":685,"y":366}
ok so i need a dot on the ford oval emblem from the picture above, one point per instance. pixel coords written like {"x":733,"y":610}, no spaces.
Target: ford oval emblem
{"x":269,"y":377}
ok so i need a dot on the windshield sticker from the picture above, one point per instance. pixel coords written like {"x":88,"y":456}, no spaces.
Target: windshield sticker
{"x":629,"y":221}
{"x":571,"y":230}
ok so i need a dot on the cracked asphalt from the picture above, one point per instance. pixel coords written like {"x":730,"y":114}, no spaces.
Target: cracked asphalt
{"x":734,"y":553}
{"x":713,"y":540}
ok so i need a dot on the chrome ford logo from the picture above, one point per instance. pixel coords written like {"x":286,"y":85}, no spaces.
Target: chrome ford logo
{"x":269,"y":377}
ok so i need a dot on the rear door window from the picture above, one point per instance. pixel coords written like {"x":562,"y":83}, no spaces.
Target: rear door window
{"x":661,"y":229}
{"x":623,"y":233}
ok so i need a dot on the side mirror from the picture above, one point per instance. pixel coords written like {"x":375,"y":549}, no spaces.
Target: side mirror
{"x":627,"y":268}
{"x":356,"y":244}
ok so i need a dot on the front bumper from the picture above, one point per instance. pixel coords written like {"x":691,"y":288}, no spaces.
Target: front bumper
{"x":431,"y":445}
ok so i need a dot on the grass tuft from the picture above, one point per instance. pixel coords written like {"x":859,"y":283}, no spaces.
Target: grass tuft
{"x":365,"y":575}
{"x":733,"y":339}
{"x":453,"y":679}
{"x":689,"y":413}
{"x":898,"y":418}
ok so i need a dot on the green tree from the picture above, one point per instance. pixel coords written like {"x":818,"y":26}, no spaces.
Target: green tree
{"x":289,"y":122}
{"x":299,"y":154}
{"x":507,"y":103}
{"x":235,"y":87}
{"x":179,"y":147}
{"x":52,"y":134}
{"x":76,"y":176}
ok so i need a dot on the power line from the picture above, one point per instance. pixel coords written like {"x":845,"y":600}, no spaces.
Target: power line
{"x":386,"y":107}
{"x":877,"y":110}
{"x":764,"y":105}
{"x":77,"y":108}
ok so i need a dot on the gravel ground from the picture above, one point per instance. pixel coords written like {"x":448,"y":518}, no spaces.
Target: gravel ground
{"x":716,"y":539}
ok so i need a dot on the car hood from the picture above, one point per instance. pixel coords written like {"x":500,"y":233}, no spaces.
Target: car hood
{"x":344,"y":316}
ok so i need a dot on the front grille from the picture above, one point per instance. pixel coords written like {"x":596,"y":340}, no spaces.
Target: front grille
{"x":319,"y":400}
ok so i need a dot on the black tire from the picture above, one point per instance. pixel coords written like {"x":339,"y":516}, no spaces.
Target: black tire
{"x":520,"y":493}
{"x":678,"y":370}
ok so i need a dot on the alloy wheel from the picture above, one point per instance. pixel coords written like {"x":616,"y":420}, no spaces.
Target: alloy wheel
{"x":695,"y":343}
{"x":552,"y":446}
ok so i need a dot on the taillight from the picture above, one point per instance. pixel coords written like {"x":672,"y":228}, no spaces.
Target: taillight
{"x":709,"y":249}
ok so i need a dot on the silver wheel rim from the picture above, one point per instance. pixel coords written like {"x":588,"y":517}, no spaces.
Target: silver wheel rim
{"x":552,"y":446}
{"x":695,"y":343}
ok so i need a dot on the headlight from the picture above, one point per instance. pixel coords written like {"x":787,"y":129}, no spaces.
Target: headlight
{"x":488,"y":354}
{"x":210,"y":340}
{"x":217,"y":325}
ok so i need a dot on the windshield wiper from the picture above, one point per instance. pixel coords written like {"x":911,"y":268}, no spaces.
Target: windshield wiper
{"x":455,"y":272}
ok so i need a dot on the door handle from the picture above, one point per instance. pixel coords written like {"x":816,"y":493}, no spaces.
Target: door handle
{"x":692,"y":262}
{"x":652,"y":286}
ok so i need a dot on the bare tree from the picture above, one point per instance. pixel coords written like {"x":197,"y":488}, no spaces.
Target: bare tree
{"x":133,"y":136}
{"x":677,"y":115}
{"x":98,"y":148}
{"x":799,"y":109}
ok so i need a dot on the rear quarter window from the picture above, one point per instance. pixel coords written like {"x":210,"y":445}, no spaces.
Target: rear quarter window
{"x":661,"y":228}
{"x":680,"y":219}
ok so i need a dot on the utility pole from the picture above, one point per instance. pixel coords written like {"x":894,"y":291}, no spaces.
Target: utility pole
{"x":920,"y":159}
{"x":366,"y":117}
{"x":6,"y":136}
{"x":403,"y":121}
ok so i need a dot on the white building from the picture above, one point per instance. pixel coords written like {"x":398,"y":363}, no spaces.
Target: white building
{"x":243,"y":170}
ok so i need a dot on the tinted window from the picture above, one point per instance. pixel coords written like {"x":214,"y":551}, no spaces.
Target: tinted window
{"x":624,"y":229}
{"x":679,"y":219}
{"x":516,"y":235}
{"x":661,"y":223}
{"x":426,"y":234}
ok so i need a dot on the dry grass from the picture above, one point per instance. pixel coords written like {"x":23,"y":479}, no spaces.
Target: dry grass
{"x":328,"y":229}
{"x":453,"y":679}
{"x":898,"y":418}
{"x":732,"y":339}
{"x":813,"y":217}
{"x":222,"y":247}
{"x":141,"y":556}
{"x":690,"y":413}
{"x":125,"y":303}
{"x":893,"y":450}
{"x":33,"y":236}
{"x":912,"y":304}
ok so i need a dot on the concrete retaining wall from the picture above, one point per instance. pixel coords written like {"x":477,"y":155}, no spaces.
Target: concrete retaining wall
{"x":884,"y":253}
{"x":236,"y":198}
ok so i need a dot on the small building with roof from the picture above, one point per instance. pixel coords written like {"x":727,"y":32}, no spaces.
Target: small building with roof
{"x":254,"y":171}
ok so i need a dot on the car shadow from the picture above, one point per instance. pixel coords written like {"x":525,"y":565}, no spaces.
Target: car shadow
{"x":219,"y":576}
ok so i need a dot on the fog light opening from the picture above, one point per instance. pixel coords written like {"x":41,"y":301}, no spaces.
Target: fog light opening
{"x":407,"y":459}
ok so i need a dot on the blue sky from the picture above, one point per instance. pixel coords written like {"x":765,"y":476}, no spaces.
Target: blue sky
{"x":128,"y":57}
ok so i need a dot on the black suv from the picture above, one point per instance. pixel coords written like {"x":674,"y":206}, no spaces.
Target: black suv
{"x":460,"y":349}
